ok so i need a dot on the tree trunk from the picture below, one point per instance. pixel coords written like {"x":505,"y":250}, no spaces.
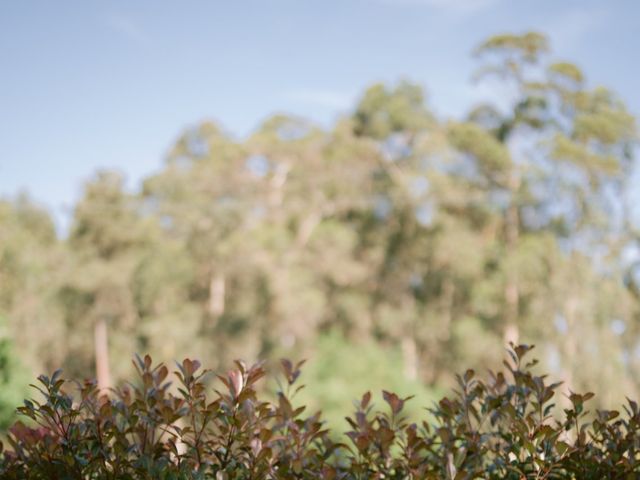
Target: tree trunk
{"x":512,"y":292}
{"x":306,"y":229}
{"x":448,"y":295}
{"x":217,"y":288}
{"x":101,"y":343}
{"x":570,"y":345}
{"x":410,"y":358}
{"x":408,"y":343}
{"x":276,"y":194}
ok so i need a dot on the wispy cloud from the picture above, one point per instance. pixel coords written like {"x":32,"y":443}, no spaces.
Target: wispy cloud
{"x":128,"y":28}
{"x":320,"y":98}
{"x":462,"y":7}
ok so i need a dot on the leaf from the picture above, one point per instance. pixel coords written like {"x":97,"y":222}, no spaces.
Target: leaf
{"x":366,"y":398}
{"x":236,"y":382}
{"x":394,"y":401}
{"x":468,"y":375}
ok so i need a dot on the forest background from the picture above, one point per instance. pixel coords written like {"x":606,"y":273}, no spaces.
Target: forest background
{"x":391,"y":246}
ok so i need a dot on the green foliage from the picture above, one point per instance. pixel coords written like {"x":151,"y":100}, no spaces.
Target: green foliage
{"x":492,"y":156}
{"x":499,"y":428}
{"x":382,"y":111}
{"x":13,"y":379}
{"x":332,"y":387}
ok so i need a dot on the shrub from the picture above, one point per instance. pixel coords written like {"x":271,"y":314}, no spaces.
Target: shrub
{"x":499,"y":428}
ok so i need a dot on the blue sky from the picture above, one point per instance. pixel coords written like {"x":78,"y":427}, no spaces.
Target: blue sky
{"x":91,"y":84}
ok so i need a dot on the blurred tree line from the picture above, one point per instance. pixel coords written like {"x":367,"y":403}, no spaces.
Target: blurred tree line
{"x":435,"y":241}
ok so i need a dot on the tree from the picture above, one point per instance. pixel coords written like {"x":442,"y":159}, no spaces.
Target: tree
{"x":31,"y":262}
{"x":553,"y":158}
{"x":515,"y":185}
{"x":107,"y":237}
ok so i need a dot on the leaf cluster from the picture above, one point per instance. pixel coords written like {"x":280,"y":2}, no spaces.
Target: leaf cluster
{"x":504,"y":427}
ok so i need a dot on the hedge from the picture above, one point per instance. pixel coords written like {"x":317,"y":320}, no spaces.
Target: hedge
{"x":505,"y":426}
